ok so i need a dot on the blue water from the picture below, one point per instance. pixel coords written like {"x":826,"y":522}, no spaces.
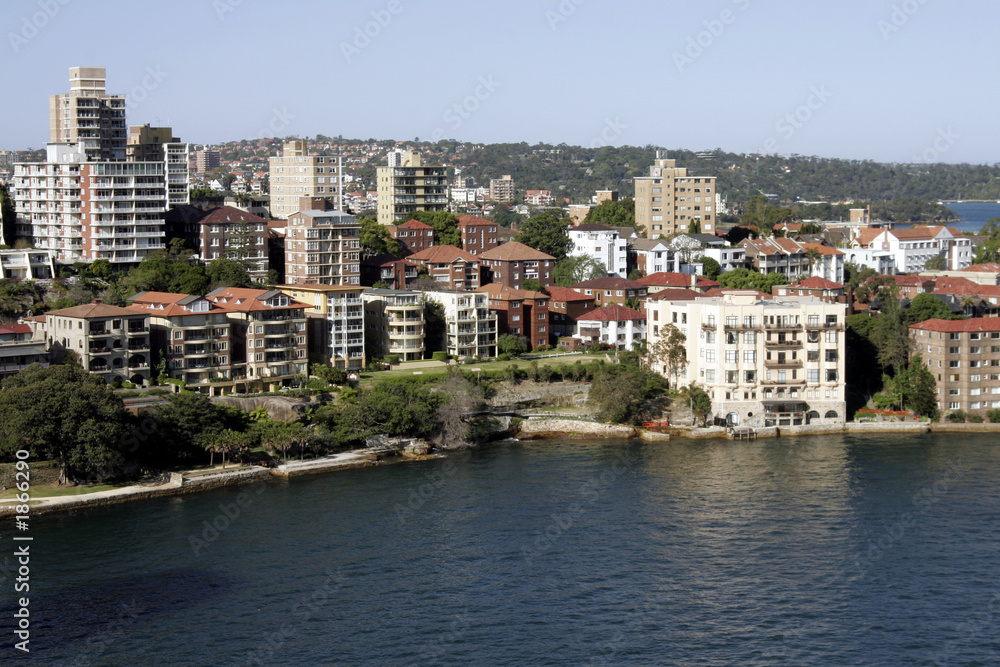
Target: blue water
{"x":974,"y":215}
{"x":829,"y":550}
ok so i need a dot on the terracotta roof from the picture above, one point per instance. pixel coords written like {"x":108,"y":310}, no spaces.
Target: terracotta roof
{"x":612,"y":314}
{"x":771,"y":246}
{"x":990,"y":267}
{"x":243,"y":299}
{"x":868,"y":234}
{"x":670,"y":279}
{"x":567,"y":294}
{"x":905,"y":281}
{"x":822,"y":249}
{"x":919,"y":232}
{"x":815,"y":282}
{"x":443,"y":254}
{"x":505,"y":293}
{"x":224,"y":214}
{"x":513,"y":252}
{"x":676,"y":294}
{"x":15,"y":329}
{"x":412,"y":224}
{"x":92,"y":310}
{"x":610,"y":282}
{"x":167,"y":304}
{"x":475,"y":221}
{"x":954,"y":326}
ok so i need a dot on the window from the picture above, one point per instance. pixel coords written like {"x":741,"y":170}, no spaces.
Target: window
{"x":749,"y":321}
{"x":812,"y":375}
{"x":973,"y":350}
{"x":831,"y":355}
{"x":730,"y":356}
{"x":954,"y":336}
{"x":831,"y":375}
{"x":710,"y":337}
{"x":749,"y":377}
{"x":732,"y":377}
{"x":515,"y":318}
{"x":812,"y":355}
{"x":975,"y":391}
{"x":711,"y":320}
{"x":953,"y":406}
{"x":954,"y":392}
{"x":710,"y":375}
{"x":814,"y":320}
{"x":750,"y":338}
{"x":974,"y":363}
{"x":710,"y":356}
{"x":831,"y":336}
{"x":952,"y":350}
{"x":731,"y":338}
{"x":730,"y":320}
{"x":749,"y":356}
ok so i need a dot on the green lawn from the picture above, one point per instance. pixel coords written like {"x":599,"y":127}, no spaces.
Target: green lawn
{"x":486,"y":366}
{"x":53,"y":491}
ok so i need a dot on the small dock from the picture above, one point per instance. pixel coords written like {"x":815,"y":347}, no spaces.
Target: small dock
{"x":741,"y":433}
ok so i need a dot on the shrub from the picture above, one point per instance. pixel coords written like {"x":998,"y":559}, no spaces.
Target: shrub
{"x":504,"y":357}
{"x":440,"y":356}
{"x":956,"y":417}
{"x":392,"y":359}
{"x":545,"y":374}
{"x":976,"y":419}
{"x":594,"y":349}
{"x":994,"y":416}
{"x":534,"y":371}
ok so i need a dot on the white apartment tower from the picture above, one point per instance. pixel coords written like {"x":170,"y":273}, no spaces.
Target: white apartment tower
{"x":87,"y":112}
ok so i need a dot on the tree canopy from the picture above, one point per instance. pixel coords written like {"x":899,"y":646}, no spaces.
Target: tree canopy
{"x":619,"y":213}
{"x":546,"y":232}
{"x":575,"y":269}
{"x":748,"y":279}
{"x":445,"y":226}
{"x":376,"y":240}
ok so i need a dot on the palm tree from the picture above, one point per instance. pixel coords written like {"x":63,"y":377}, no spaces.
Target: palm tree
{"x":968,"y":304}
{"x":812,"y":256}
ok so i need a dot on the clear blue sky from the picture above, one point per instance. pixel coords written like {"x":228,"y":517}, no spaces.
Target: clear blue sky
{"x":882,"y":86}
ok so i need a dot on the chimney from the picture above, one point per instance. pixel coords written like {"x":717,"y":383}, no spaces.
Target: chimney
{"x":97,"y":301}
{"x":694,"y":281}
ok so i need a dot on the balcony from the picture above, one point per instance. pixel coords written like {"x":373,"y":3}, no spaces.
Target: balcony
{"x":196,"y":335}
{"x":783,"y":363}
{"x":783,"y":326}
{"x":783,"y":344}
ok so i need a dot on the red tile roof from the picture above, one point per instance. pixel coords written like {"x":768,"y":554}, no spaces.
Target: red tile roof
{"x":918,"y":232}
{"x":474,"y":221}
{"x":443,"y":254}
{"x":670,"y":279}
{"x":868,"y":234}
{"x":612,"y":314}
{"x":505,"y":293}
{"x":720,"y":291}
{"x":567,"y":294}
{"x":166,"y":304}
{"x":15,"y":329}
{"x":92,"y":310}
{"x":990,"y":267}
{"x":821,"y":249}
{"x":955,"y":326}
{"x":815,"y":282}
{"x":412,"y":224}
{"x":243,"y":299}
{"x":513,"y":251}
{"x":676,"y":294}
{"x":224,"y":214}
{"x":610,"y":282}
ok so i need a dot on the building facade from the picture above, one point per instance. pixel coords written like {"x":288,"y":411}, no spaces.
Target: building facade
{"x":620,"y":327}
{"x":964,"y":357}
{"x":224,"y":232}
{"x":520,"y":313}
{"x":601,"y":243}
{"x":566,"y":307}
{"x":611,"y":290}
{"x":454,"y":268}
{"x":412,"y":235}
{"x":394,"y":322}
{"x":109,"y":341}
{"x":295,"y":174}
{"x":763,"y":361}
{"x":322,"y":245}
{"x":335,"y":322}
{"x":502,"y":189}
{"x":153,"y":144}
{"x":512,"y":263}
{"x":478,"y":234}
{"x":410,"y":187}
{"x":88,"y":115}
{"x":669,"y":200}
{"x":18,"y":349}
{"x":470,"y":325}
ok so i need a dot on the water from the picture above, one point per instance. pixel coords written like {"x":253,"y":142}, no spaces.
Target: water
{"x":830,"y":550}
{"x":974,"y":215}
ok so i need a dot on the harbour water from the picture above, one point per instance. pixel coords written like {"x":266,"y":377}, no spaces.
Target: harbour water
{"x":827,"y":550}
{"x":974,"y":215}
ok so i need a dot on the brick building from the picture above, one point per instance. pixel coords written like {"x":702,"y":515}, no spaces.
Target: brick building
{"x":520,"y":313}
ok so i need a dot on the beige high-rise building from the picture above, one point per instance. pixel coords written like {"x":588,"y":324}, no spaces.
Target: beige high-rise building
{"x":669,"y":200}
{"x":502,"y":189}
{"x":207,"y":159}
{"x":295,"y":174}
{"x":87,"y":112}
{"x":322,"y":245}
{"x":158,"y":144}
{"x":410,"y":187}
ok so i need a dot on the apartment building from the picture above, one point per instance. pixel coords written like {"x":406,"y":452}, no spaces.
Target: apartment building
{"x":651,"y":256}
{"x":454,"y":268}
{"x":566,"y":307}
{"x":322,"y":245}
{"x":398,"y":274}
{"x":395,"y":323}
{"x":611,"y":290}
{"x":83,"y":211}
{"x":502,"y":189}
{"x":512,"y":263}
{"x":478,"y":234}
{"x":206,"y":160}
{"x":109,"y":341}
{"x":268,"y":334}
{"x":691,"y":249}
{"x":27,"y":264}
{"x":964,"y":357}
{"x":412,"y":235}
{"x":618,"y":326}
{"x":470,"y":325}
{"x":781,"y":255}
{"x":602,"y":244}
{"x":295,"y":174}
{"x":764,"y":361}
{"x":222,"y":232}
{"x":335,"y":322}
{"x":909,"y":249}
{"x":520,"y":313}
{"x":538,"y":198}
{"x":18,"y":349}
{"x":669,"y":200}
{"x":814,"y":286}
{"x":193,"y":335}
{"x":155,"y":144}
{"x":88,"y":115}
{"x":667,"y":280}
{"x":410,"y":186}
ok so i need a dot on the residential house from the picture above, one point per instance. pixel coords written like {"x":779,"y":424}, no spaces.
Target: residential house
{"x":412,"y":235}
{"x":817,"y":287}
{"x":512,"y":263}
{"x":223,"y":232}
{"x":602,"y":244}
{"x":453,"y":267}
{"x":670,"y":280}
{"x":398,"y":273}
{"x":520,"y":313}
{"x":334,"y":321}
{"x":621,"y":327}
{"x":322,"y":245}
{"x":910,"y":249}
{"x":651,"y":256}
{"x":18,"y":349}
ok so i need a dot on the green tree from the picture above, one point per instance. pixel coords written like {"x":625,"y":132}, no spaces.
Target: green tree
{"x":747,"y":279}
{"x":376,"y":240}
{"x":445,"y":226}
{"x":395,"y":406}
{"x":577,"y":269}
{"x":546,"y":232}
{"x":181,"y":423}
{"x":8,"y":217}
{"x":669,"y":352}
{"x":891,"y":336}
{"x":938,"y":263}
{"x":919,"y":389}
{"x":223,"y":272}
{"x":711,"y":267}
{"x":619,"y":213}
{"x":694,"y":227}
{"x":626,"y":394}
{"x":64,"y":413}
{"x":700,"y":403}
{"x":532,"y":285}
{"x":169,"y":270}
{"x":926,"y":307}
{"x":511,"y":344}
{"x":989,"y":250}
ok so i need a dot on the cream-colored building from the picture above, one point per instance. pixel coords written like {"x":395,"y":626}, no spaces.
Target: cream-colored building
{"x":88,"y":112}
{"x":158,"y":144}
{"x":395,"y":323}
{"x":295,"y":174}
{"x":410,"y":187}
{"x":764,"y":361}
{"x":322,"y":245}
{"x":669,"y":200}
{"x":470,"y":325}
{"x":336,"y":323}
{"x":502,"y":189}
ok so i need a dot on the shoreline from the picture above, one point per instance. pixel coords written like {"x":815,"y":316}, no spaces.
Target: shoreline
{"x":180,"y":484}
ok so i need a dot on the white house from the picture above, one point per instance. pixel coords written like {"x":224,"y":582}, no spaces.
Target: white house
{"x":614,"y":325}
{"x":603,"y":244}
{"x":911,"y":248}
{"x":652,"y":256}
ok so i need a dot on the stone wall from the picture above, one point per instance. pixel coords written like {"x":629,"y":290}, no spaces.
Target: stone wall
{"x":537,"y":429}
{"x":530,"y":394}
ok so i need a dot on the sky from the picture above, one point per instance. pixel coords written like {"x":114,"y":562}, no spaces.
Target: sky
{"x":884,"y":80}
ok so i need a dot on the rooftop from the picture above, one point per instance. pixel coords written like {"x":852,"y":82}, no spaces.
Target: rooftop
{"x":956,"y":326}
{"x":612,"y":314}
{"x":514,"y":251}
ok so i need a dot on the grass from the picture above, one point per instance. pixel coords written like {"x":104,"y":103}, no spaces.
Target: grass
{"x":486,"y":366}
{"x":55,"y":491}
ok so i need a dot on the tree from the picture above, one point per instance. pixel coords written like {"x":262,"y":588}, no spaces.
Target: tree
{"x":181,"y":423}
{"x":613,"y":213}
{"x":511,"y":344}
{"x":532,"y":285}
{"x":546,"y":232}
{"x":376,"y":240}
{"x":168,"y":270}
{"x":225,"y":442}
{"x":919,"y":389}
{"x":8,"y":217}
{"x":460,"y":399}
{"x":711,"y":267}
{"x":938,"y":263}
{"x":747,"y":279}
{"x":395,"y":406}
{"x":813,"y":255}
{"x":577,"y":269}
{"x":891,"y":336}
{"x":876,"y":287}
{"x":694,"y":227}
{"x":624,"y":393}
{"x":64,"y":413}
{"x":223,"y":272}
{"x":669,"y":351}
{"x":989,"y":250}
{"x":445,"y":226}
{"x":279,"y":436}
{"x":241,"y":246}
{"x":700,"y":403}
{"x":926,"y":307}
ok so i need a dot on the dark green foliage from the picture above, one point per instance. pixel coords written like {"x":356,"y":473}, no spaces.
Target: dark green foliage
{"x":975,"y":419}
{"x":395,"y":406}
{"x":918,"y":389}
{"x":329,"y":374}
{"x":938,"y":263}
{"x":989,"y":250}
{"x":64,"y":413}
{"x":994,"y":416}
{"x":926,"y":307}
{"x":168,"y":270}
{"x":440,"y":355}
{"x":180,"y":426}
{"x":576,"y":269}
{"x":434,"y":327}
{"x":224,"y":272}
{"x":376,"y":240}
{"x":8,"y":217}
{"x":619,"y":213}
{"x":712,"y":268}
{"x":956,"y":417}
{"x":546,"y":232}
{"x":626,"y":394}
{"x":511,"y":345}
{"x":445,"y":226}
{"x":747,"y":279}
{"x":532,"y":285}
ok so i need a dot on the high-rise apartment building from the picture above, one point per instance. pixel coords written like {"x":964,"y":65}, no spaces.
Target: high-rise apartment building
{"x":395,"y":320}
{"x":669,"y":200}
{"x":322,"y":245}
{"x":410,"y":187}
{"x":964,"y":358}
{"x":470,"y":325}
{"x":205,"y":160}
{"x":87,"y":112}
{"x":152,"y":144}
{"x":763,"y":361}
{"x":502,"y":189}
{"x":295,"y":174}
